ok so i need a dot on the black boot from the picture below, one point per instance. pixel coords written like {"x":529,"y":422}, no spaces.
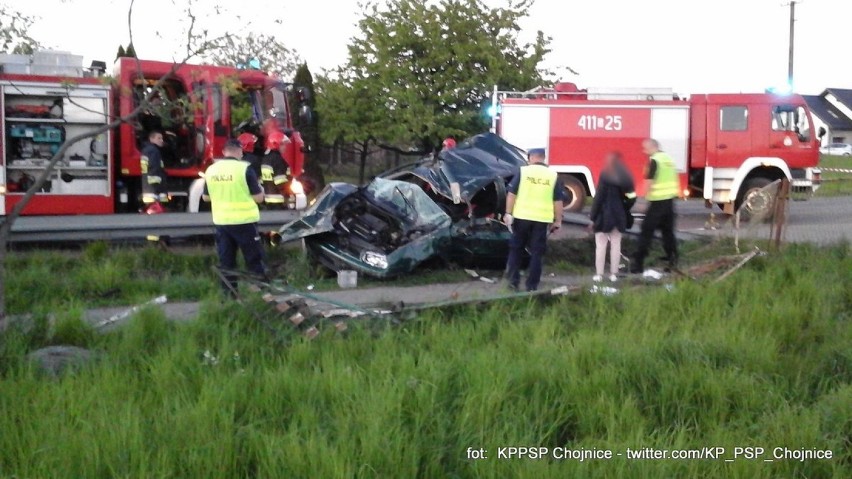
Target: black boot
{"x":637,"y":266}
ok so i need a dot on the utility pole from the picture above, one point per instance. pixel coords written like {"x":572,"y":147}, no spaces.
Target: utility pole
{"x":792,"y":5}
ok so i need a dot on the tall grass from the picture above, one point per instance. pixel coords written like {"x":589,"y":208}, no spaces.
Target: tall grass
{"x":762,"y":359}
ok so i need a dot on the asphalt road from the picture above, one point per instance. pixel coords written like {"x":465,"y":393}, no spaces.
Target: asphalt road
{"x":821,"y":221}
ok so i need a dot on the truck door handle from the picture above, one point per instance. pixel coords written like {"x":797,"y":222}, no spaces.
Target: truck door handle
{"x":723,"y":146}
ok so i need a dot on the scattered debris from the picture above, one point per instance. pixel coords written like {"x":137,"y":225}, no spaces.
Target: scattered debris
{"x":130,"y":312}
{"x":711,"y":224}
{"x":604,"y":290}
{"x":475,"y":275}
{"x":652,"y":274}
{"x":739,"y":265}
{"x":208,"y":359}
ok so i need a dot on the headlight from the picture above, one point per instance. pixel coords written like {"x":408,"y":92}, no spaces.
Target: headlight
{"x":296,"y":187}
{"x":376,"y":260}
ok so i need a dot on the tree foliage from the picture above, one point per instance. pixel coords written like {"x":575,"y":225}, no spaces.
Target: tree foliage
{"x":273,"y":55}
{"x":308,"y":129}
{"x":304,"y":79}
{"x":120,"y":53}
{"x":14,"y":32}
{"x":420,"y":71}
{"x":130,"y":52}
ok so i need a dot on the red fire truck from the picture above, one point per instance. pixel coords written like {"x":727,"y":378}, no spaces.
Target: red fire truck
{"x":726,"y":146}
{"x":45,"y":103}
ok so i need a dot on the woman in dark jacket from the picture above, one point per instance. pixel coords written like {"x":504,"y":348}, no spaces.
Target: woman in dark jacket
{"x":610,"y":214}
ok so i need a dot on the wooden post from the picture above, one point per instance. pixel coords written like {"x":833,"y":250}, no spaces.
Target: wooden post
{"x":780,"y":216}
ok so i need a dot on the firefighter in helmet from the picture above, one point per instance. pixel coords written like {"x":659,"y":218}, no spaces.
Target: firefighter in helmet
{"x":448,"y":144}
{"x":153,"y":174}
{"x":274,"y":170}
{"x":248,"y":143}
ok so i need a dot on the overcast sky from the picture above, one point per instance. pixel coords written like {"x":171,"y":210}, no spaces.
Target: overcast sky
{"x":692,"y":46}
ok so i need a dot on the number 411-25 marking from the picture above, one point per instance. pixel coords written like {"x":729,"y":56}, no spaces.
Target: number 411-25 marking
{"x":606,"y":123}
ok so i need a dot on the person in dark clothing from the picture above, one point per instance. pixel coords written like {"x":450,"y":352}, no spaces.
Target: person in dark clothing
{"x":610,"y":215}
{"x":234,"y":191}
{"x":248,"y":142}
{"x":533,"y":209}
{"x":153,"y":174}
{"x":275,"y":171}
{"x":663,"y":187}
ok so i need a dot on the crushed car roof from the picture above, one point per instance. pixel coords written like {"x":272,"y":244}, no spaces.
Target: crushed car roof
{"x":473,"y":164}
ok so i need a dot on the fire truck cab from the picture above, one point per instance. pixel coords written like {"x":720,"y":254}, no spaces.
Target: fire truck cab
{"x":48,"y":98}
{"x":725,"y":146}
{"x":204,"y":102}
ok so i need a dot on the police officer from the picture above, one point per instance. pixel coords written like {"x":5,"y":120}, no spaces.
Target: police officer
{"x":153,"y":174}
{"x":661,"y":190}
{"x":234,"y":191}
{"x":533,"y":208}
{"x":275,"y":171}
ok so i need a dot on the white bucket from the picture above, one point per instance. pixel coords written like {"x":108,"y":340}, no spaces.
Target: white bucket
{"x":347,"y":278}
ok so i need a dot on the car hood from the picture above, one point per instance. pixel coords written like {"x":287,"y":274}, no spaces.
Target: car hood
{"x":406,"y":201}
{"x":317,"y":218}
{"x":461,"y":172}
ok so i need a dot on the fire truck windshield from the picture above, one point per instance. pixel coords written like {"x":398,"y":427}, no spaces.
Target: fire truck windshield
{"x":275,"y":105}
{"x":792,"y":118}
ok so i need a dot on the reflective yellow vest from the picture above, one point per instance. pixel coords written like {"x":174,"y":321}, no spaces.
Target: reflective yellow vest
{"x":666,"y":183}
{"x":231,"y":199}
{"x":534,"y":201}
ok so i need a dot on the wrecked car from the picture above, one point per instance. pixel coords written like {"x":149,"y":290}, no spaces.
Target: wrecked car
{"x":447,"y":207}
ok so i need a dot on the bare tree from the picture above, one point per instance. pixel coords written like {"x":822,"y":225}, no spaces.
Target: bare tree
{"x":273,"y":56}
{"x":197,"y":43}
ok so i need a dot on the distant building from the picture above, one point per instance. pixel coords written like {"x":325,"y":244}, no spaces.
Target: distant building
{"x":833,"y":110}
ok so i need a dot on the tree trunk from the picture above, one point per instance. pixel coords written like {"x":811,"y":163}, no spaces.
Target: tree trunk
{"x":365,"y":152}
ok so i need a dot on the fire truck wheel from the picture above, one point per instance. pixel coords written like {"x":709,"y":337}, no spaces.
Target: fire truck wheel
{"x":575,"y":193}
{"x":750,"y":188}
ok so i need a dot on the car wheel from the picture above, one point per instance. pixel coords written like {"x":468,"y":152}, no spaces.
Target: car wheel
{"x":575,"y":193}
{"x":750,"y":203}
{"x":847,"y":154}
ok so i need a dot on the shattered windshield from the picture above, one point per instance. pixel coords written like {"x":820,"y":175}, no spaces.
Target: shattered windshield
{"x":408,"y":200}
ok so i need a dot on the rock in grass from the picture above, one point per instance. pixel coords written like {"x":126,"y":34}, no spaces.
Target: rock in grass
{"x":55,"y":360}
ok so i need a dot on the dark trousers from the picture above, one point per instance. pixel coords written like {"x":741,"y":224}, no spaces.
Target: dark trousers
{"x":660,"y":215}
{"x":230,"y":238}
{"x":530,"y":235}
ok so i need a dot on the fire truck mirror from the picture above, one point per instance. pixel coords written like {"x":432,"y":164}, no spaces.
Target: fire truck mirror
{"x":822,"y":132}
{"x":303,"y":94}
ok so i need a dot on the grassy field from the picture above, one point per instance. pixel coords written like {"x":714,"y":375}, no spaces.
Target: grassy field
{"x":762,"y":359}
{"x":835,"y":184}
{"x":104,"y":275}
